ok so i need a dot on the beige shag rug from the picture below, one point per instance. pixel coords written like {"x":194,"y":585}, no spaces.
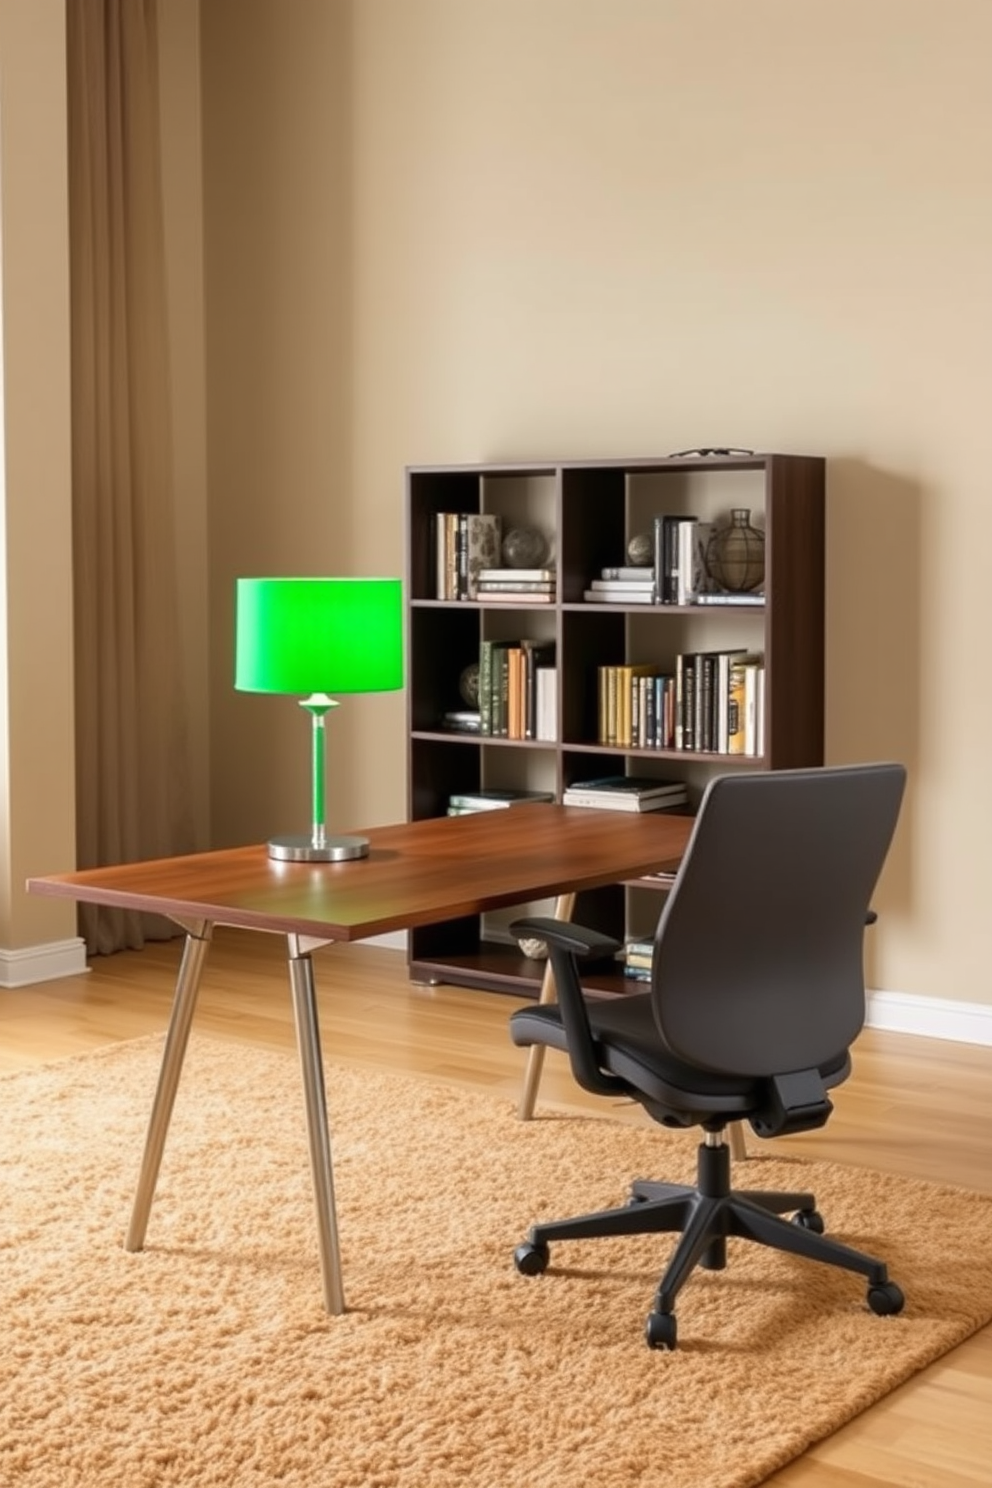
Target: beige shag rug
{"x":208,"y":1360}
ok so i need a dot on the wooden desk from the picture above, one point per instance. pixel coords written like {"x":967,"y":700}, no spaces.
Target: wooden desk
{"x":416,"y":873}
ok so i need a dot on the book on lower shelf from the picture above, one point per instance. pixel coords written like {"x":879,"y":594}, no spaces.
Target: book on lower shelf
{"x":623,"y":596}
{"x":636,"y":958}
{"x":493,"y":798}
{"x":462,"y":720}
{"x":626,"y":793}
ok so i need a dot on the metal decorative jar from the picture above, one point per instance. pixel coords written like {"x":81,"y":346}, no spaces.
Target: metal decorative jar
{"x":735,"y":554}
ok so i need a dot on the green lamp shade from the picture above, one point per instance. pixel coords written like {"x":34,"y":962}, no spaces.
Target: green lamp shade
{"x":319,"y":635}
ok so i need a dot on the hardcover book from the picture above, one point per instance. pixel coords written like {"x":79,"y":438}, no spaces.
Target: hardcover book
{"x":628,"y":574}
{"x":622,"y":586}
{"x":491,"y":798}
{"x":526,"y":586}
{"x":692,"y":579}
{"x":516,"y":575}
{"x":521,"y":595}
{"x":633,"y":785}
{"x":601,"y":801}
{"x":624,"y":597}
{"x":480,"y":538}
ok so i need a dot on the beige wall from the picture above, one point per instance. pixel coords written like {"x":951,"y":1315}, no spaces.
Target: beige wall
{"x":276,"y":163}
{"x":37,"y":788}
{"x":477,"y":229}
{"x":460,"y":229}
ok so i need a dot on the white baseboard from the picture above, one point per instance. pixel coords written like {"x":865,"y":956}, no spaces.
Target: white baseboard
{"x":42,"y":963}
{"x":932,"y":1017}
{"x":899,"y":1012}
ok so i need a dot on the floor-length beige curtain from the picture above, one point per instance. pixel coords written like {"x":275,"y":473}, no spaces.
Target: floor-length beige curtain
{"x":132,"y":768}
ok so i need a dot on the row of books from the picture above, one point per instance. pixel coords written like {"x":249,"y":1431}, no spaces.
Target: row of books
{"x":464,"y":543}
{"x":710,"y":702}
{"x":626,"y":793}
{"x":518,"y":689}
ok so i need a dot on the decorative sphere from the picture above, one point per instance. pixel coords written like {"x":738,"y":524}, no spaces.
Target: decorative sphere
{"x":536,"y":950}
{"x":735,"y":554}
{"x":468,"y":684}
{"x":524,"y":547}
{"x":640,"y":550}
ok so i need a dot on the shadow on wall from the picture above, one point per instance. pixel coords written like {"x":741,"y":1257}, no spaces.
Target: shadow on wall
{"x":874,"y":622}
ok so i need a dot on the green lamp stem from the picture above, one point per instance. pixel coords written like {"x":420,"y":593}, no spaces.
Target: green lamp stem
{"x":318,"y":847}
{"x":318,"y":705}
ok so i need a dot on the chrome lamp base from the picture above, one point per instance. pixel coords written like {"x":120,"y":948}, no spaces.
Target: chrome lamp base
{"x":303,"y":849}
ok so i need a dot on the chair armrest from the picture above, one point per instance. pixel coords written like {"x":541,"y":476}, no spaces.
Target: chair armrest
{"x":576,"y":939}
{"x":565,"y":943}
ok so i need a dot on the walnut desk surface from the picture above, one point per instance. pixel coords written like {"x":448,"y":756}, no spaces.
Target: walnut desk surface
{"x":416,"y":873}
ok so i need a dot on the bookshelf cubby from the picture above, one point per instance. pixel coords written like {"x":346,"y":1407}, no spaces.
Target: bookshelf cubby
{"x":588,"y":511}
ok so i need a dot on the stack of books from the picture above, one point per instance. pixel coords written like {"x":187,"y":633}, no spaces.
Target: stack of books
{"x":622,"y":586}
{"x":463,"y":720}
{"x":626,"y":793}
{"x":516,"y":585}
{"x":636,"y":958}
{"x":493,"y":799}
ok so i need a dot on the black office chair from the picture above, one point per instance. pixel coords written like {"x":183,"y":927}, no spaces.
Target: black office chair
{"x":756,"y":995}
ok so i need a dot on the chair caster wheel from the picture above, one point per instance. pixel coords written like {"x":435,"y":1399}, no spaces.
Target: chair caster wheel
{"x":887,"y":1300}
{"x":809,"y":1219}
{"x":531,"y":1260}
{"x":660,"y":1330}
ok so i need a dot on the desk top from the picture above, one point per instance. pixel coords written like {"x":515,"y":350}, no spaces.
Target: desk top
{"x":416,"y":873}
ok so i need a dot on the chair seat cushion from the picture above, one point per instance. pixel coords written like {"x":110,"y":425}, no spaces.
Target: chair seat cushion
{"x":626,"y":1038}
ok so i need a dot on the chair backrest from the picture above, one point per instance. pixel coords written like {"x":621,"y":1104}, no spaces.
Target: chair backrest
{"x":758,"y":961}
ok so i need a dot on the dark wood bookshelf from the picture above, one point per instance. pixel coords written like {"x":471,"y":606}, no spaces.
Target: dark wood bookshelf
{"x":589,"y":510}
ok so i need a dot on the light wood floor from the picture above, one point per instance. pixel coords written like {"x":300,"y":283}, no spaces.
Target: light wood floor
{"x":921,"y":1107}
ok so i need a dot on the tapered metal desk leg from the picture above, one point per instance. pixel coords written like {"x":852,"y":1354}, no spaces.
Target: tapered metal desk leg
{"x":308,"y":1042}
{"x":183,"y":1004}
{"x":564,"y":905}
{"x":736,"y":1142}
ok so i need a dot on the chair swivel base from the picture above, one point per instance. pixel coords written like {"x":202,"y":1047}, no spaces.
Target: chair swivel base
{"x":707,"y":1216}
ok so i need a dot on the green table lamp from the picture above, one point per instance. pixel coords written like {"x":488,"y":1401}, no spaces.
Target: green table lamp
{"x":317,"y":637}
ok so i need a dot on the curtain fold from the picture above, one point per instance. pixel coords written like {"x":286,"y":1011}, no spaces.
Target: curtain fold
{"x":133,"y":773}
